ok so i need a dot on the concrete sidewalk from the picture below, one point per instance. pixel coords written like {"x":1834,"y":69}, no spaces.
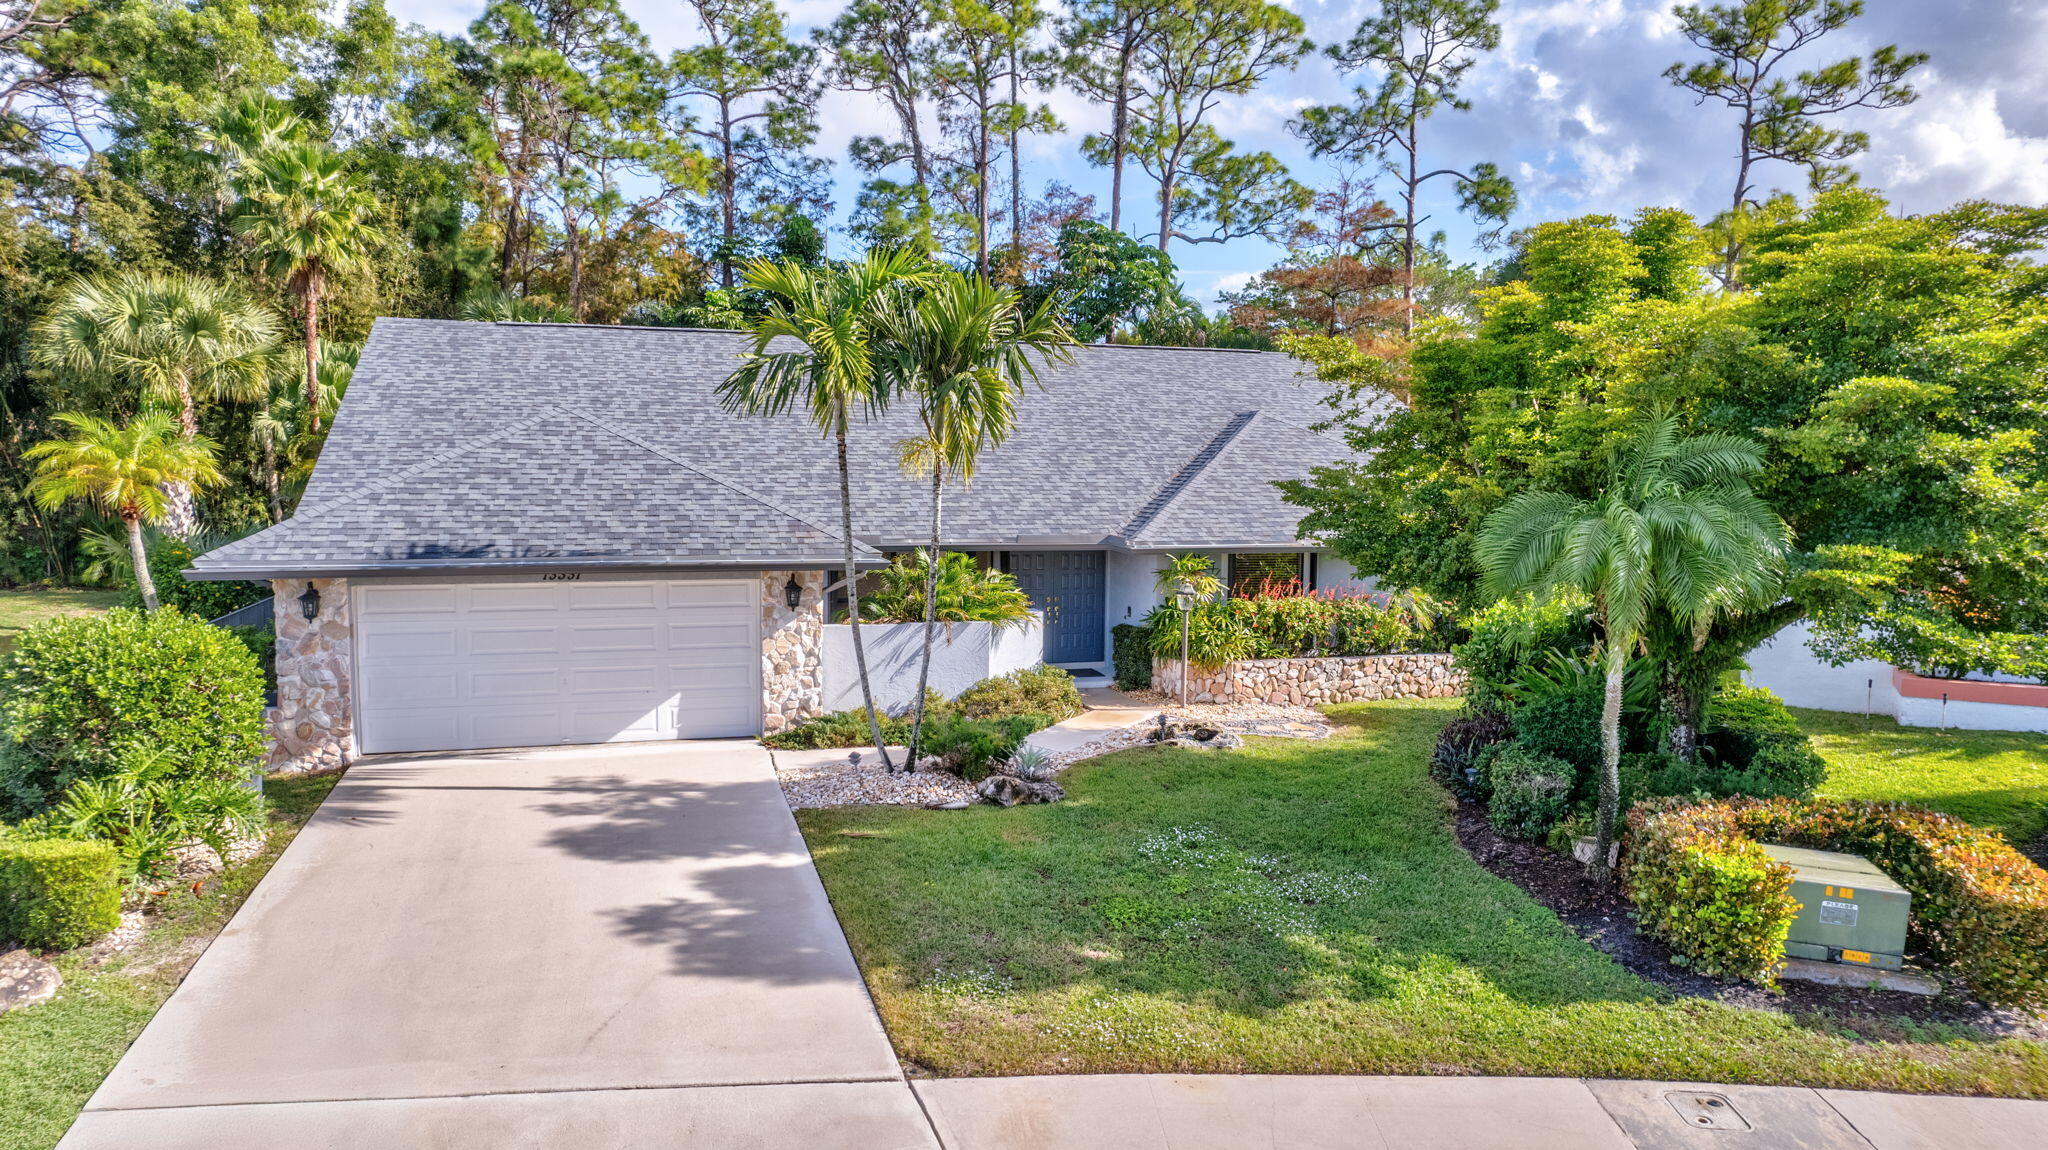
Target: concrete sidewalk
{"x":1246,"y":1112}
{"x":1109,"y":711}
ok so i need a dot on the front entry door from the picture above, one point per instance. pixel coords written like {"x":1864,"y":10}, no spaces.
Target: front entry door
{"x":1068,"y":587}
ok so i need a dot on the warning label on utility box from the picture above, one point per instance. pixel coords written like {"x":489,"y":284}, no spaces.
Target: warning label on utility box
{"x":1837,"y":913}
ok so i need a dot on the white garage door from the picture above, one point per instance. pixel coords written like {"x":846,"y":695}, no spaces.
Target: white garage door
{"x":459,"y":666}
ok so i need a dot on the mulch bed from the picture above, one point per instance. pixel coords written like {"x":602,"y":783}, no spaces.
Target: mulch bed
{"x":1601,"y":916}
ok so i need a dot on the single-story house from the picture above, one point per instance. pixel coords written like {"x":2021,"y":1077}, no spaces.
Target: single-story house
{"x":526,"y":534}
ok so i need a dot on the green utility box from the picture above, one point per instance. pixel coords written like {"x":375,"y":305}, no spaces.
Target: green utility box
{"x":1849,"y":911}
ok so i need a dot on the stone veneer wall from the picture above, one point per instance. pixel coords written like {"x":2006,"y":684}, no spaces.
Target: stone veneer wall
{"x":1312,"y":682}
{"x":792,"y":650}
{"x":312,"y":726}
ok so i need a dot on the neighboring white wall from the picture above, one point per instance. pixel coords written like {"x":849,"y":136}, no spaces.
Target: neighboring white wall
{"x":965,"y":654}
{"x":1334,"y":574}
{"x":1785,"y":665}
{"x":1971,"y":716}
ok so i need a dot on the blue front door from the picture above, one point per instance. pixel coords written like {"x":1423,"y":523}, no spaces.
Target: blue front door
{"x":1068,"y":587}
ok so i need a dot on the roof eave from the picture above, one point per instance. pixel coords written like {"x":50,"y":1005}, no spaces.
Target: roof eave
{"x":343,"y":569}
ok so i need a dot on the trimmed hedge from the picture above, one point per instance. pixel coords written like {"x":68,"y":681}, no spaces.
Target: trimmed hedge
{"x":1131,"y":649}
{"x":56,"y":894}
{"x":1531,"y":792}
{"x":1707,"y":889}
{"x":1980,"y":908}
{"x":86,"y":695}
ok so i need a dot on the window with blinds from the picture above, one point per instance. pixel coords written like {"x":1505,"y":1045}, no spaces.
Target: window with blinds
{"x":1251,"y":572}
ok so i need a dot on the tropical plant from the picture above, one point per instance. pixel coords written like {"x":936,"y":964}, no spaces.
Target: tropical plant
{"x":147,"y":810}
{"x":963,"y":592}
{"x":489,"y":305}
{"x":309,"y":222}
{"x":1198,"y":571}
{"x":832,"y":313}
{"x":124,"y":469}
{"x":965,"y":348}
{"x":180,"y":337}
{"x":1210,"y":633}
{"x":1677,"y":533}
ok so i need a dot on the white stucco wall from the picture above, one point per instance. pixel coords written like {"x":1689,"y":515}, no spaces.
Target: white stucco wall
{"x":1785,"y":665}
{"x":965,"y":654}
{"x":1334,"y":574}
{"x":1971,"y":716}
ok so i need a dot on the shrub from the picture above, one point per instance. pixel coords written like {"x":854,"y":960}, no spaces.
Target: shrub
{"x":1215,"y":637}
{"x":1459,"y":746}
{"x":1531,"y":792}
{"x":1707,"y":889}
{"x":967,"y":593}
{"x":1749,"y":729}
{"x":1980,"y":908}
{"x":1514,"y":634}
{"x":211,"y":599}
{"x":262,"y":643}
{"x":973,"y":747}
{"x":1040,"y":690}
{"x":57,"y":894}
{"x":86,"y":695}
{"x":146,"y":811}
{"x":1659,"y":775}
{"x":837,"y":729}
{"x":1131,"y":648}
{"x":1565,"y":725}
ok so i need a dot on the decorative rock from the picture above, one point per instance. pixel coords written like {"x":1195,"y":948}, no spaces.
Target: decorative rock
{"x":930,"y":764}
{"x":948,"y":805}
{"x":26,"y":980}
{"x":1008,"y":791}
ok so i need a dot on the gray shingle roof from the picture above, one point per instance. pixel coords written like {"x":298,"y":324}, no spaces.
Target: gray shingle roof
{"x":510,"y":444}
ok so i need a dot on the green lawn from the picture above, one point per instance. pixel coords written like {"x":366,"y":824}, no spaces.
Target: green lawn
{"x":53,"y":1056}
{"x":1295,"y":907}
{"x":1995,"y":779}
{"x":22,"y":609}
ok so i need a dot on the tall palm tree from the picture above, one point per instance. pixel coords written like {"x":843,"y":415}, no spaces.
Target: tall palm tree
{"x":308,"y":222}
{"x":832,"y":313}
{"x":181,"y":337}
{"x":124,"y":469}
{"x":966,"y":348}
{"x":1677,"y":533}
{"x":286,"y":444}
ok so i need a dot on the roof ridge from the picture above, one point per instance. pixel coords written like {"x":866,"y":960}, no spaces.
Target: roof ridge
{"x":728,"y":484}
{"x":1194,"y":467}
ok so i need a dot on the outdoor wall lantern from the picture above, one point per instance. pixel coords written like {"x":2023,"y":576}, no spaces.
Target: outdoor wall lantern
{"x":792,"y":592}
{"x":309,"y":603}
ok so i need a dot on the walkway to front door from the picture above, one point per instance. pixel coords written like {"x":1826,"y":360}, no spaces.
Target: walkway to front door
{"x":618,"y":946}
{"x":1069,"y":587}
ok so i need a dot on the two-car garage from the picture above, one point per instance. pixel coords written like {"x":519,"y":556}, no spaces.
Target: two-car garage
{"x":462,"y":666}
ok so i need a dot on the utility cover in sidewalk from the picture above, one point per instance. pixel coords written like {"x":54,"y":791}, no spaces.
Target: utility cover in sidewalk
{"x":1705,"y":1111}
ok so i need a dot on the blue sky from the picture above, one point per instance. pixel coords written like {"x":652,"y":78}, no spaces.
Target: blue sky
{"x":1574,"y":107}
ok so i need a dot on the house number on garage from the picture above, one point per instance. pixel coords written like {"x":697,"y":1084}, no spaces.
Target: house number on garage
{"x":560,"y":576}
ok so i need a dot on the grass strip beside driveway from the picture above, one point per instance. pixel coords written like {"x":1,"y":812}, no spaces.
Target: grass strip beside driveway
{"x":1295,"y":907}
{"x":53,"y":1056}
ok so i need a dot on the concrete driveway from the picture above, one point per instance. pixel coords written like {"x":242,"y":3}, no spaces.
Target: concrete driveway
{"x":605,"y":947}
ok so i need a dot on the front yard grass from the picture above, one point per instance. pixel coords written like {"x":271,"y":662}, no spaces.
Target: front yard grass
{"x":53,"y":1056}
{"x":20,"y":610}
{"x":1294,"y":907}
{"x":1995,"y":779}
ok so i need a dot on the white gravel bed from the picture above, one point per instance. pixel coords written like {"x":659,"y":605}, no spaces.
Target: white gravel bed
{"x":825,"y":778}
{"x":1274,"y":720}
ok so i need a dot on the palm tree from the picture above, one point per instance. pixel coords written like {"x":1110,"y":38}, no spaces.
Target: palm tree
{"x":1192,"y":568}
{"x":286,"y":443}
{"x":966,"y":348}
{"x":180,"y":337}
{"x":1677,"y":533}
{"x":308,"y":222}
{"x":124,"y":469}
{"x":832,"y":313}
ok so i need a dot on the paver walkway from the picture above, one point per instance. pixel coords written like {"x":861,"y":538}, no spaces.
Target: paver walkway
{"x":473,"y":950}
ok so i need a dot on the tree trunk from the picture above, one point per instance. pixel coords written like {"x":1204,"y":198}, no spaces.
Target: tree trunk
{"x":931,"y":618}
{"x":1408,"y":240}
{"x":140,"y":555}
{"x":1120,"y":126}
{"x":313,"y":356}
{"x":981,"y":196}
{"x":181,"y":512}
{"x":1016,"y":176}
{"x":270,"y":484}
{"x":860,"y":652}
{"x":1165,"y":210}
{"x":1610,"y":762}
{"x":728,"y":192}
